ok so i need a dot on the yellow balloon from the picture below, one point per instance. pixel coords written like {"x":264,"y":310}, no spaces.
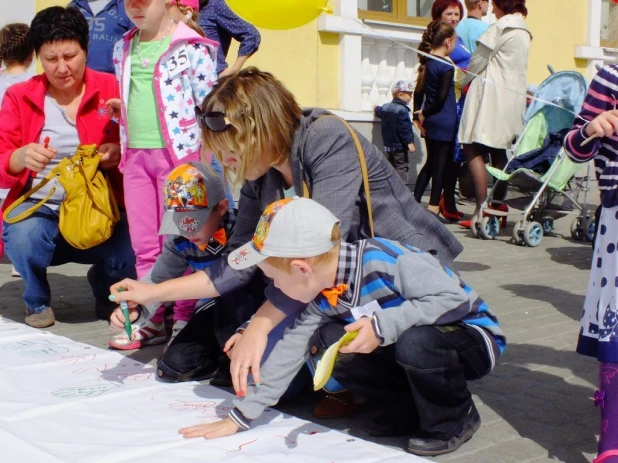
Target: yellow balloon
{"x":278,"y":14}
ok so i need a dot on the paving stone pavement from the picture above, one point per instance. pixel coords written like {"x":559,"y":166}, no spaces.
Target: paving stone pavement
{"x":537,"y":404}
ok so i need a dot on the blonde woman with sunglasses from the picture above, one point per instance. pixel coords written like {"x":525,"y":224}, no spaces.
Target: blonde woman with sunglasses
{"x":257,"y":130}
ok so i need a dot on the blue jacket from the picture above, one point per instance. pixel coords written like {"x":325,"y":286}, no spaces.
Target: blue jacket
{"x":396,"y":125}
{"x":437,"y":98}
{"x":106,"y":29}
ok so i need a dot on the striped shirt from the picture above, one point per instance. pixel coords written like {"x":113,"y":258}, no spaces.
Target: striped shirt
{"x":601,"y":97}
{"x":411,"y":288}
{"x":180,"y":254}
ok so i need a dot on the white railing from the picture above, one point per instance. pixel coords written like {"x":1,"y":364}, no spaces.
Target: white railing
{"x":383,"y":63}
{"x":372,"y":56}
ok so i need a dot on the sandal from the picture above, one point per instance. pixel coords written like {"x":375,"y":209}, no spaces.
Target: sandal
{"x":149,"y":334}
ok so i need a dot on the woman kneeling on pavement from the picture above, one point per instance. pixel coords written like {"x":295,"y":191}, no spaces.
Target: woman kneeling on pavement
{"x":65,"y":104}
{"x":255,"y":127}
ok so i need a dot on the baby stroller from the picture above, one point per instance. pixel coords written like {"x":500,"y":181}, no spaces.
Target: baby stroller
{"x":539,"y":174}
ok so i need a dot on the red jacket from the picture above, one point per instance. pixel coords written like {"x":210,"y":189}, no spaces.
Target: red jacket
{"x":22,"y":118}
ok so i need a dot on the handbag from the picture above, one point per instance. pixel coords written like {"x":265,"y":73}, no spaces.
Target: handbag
{"x":363,"y":164}
{"x":89,"y":210}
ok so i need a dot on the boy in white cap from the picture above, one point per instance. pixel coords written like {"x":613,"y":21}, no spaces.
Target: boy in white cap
{"x":198,"y":222}
{"x":422,"y":332}
{"x":397,"y":132}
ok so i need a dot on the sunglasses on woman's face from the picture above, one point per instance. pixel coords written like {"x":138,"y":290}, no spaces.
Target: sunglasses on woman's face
{"x":214,"y":120}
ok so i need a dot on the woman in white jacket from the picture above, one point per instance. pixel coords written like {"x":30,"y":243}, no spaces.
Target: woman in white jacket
{"x":496,"y":102}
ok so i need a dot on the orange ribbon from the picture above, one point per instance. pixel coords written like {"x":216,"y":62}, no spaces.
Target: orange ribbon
{"x":220,"y":236}
{"x":332,"y":294}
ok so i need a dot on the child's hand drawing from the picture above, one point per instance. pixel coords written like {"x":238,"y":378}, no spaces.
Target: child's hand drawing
{"x":35,"y":348}
{"x":116,"y":320}
{"x":214,"y":430}
{"x":83,"y":391}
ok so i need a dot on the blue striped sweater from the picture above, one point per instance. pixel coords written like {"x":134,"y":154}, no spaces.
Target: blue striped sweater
{"x":601,"y":97}
{"x":411,"y":287}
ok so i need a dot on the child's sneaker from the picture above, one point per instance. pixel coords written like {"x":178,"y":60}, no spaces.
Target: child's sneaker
{"x":149,"y":334}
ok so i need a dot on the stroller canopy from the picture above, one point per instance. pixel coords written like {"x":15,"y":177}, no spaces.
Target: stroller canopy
{"x":566,"y":89}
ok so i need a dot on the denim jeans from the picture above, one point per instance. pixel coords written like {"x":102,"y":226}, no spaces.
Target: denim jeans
{"x":35,"y":243}
{"x":424,"y":374}
{"x":197,"y":350}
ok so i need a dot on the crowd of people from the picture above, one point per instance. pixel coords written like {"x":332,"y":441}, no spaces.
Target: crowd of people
{"x":326,"y":238}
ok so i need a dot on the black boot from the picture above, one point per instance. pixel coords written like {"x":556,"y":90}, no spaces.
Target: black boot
{"x":427,"y":446}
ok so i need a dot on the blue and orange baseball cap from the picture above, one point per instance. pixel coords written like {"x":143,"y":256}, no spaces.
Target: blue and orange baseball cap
{"x":191,"y":192}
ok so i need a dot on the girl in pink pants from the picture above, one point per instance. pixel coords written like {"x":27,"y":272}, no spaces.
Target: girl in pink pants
{"x":165,"y":68}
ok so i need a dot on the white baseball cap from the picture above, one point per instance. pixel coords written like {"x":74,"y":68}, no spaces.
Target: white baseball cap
{"x":292,"y":227}
{"x":402,"y":86}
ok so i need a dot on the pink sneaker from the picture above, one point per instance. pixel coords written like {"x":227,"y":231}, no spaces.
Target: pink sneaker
{"x":605,"y":456}
{"x":149,"y":334}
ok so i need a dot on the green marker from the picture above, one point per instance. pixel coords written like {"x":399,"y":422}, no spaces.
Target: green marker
{"x":127,"y":319}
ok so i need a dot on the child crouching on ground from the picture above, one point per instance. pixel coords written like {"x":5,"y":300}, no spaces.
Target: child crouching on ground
{"x":423,"y":332}
{"x":198,"y":223}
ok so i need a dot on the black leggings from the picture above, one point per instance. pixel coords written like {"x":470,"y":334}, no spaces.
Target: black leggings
{"x":439,"y":156}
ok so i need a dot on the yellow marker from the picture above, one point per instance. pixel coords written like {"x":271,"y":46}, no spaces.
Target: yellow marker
{"x":327,"y":362}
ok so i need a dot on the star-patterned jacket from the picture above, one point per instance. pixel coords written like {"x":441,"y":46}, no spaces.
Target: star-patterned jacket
{"x":183,"y":76}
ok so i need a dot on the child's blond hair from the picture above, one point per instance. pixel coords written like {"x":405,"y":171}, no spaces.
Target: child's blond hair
{"x":285,"y":263}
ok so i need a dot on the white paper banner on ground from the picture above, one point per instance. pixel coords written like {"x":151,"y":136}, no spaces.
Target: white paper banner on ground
{"x":63,"y":401}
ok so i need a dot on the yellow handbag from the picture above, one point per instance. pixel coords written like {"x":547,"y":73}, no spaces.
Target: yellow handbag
{"x":89,"y":210}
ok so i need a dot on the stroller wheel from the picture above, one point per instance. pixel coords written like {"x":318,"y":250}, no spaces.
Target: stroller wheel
{"x":589,"y":228}
{"x":533,"y":234}
{"x":489,"y":228}
{"x":518,"y":231}
{"x":577,"y":229}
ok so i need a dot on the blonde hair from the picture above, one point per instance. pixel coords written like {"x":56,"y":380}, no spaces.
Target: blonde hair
{"x":187,"y":15}
{"x":285,"y":263}
{"x":263,"y":117}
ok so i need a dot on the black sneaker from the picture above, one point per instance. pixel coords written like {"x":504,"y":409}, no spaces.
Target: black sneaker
{"x":430,"y":447}
{"x":391,"y":426}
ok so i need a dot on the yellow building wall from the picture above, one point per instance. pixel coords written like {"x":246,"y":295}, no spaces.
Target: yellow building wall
{"x":557,"y":26}
{"x":41,"y":4}
{"x":305,"y":60}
